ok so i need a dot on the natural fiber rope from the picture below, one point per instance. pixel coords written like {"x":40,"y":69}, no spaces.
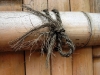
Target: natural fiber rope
{"x":56,"y":35}
{"x":90,"y":25}
{"x":68,"y":41}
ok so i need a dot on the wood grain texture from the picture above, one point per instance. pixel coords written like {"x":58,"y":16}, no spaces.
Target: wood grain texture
{"x":11,"y":63}
{"x":82,"y":62}
{"x":37,"y":63}
{"x":60,"y":65}
{"x":36,"y":4}
{"x":10,"y":5}
{"x":95,"y":6}
{"x":96,"y":63}
{"x":82,"y":58}
{"x":62,"y":5}
{"x":92,"y":5}
{"x":80,"y":5}
{"x":96,"y":51}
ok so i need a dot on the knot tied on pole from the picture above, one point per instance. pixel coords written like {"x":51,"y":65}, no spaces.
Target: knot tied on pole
{"x":54,"y":38}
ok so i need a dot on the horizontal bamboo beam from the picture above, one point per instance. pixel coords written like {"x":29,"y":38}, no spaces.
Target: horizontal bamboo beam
{"x":76,"y":24}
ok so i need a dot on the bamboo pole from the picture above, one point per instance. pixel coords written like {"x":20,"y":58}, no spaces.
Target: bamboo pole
{"x":76,"y":24}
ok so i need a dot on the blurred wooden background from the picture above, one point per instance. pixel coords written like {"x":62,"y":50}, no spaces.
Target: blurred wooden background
{"x":84,"y":61}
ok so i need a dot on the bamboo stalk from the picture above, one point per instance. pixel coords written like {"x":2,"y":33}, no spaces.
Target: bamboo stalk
{"x":76,"y":24}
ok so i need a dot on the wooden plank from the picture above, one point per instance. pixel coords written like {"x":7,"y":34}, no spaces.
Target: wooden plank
{"x":62,"y":5}
{"x":10,"y":5}
{"x":95,"y":6}
{"x":36,"y":4}
{"x":11,"y":63}
{"x":80,"y":5}
{"x":96,"y":51}
{"x":37,"y":63}
{"x":96,"y":63}
{"x":92,"y":5}
{"x":60,"y":65}
{"x":82,"y":58}
{"x":82,"y":62}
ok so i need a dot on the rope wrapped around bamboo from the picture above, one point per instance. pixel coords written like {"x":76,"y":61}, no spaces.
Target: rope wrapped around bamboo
{"x":76,"y":24}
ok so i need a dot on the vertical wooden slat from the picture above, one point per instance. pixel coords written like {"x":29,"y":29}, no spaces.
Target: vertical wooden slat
{"x":96,"y":63}
{"x":82,"y":58}
{"x":10,"y":5}
{"x":96,"y":60}
{"x":36,"y":4}
{"x":11,"y":63}
{"x":36,"y":65}
{"x":62,"y":5}
{"x":60,"y":65}
{"x":95,"y":7}
{"x":96,"y":51}
{"x":92,"y":5}
{"x":80,"y":5}
{"x":82,"y":62}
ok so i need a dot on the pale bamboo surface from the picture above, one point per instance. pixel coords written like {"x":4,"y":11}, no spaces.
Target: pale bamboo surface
{"x":11,"y":63}
{"x":36,"y":63}
{"x":82,"y":58}
{"x":15,"y":24}
{"x":60,"y":65}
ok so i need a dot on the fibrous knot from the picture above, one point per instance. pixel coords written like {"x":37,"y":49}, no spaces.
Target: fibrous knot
{"x":54,"y":38}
